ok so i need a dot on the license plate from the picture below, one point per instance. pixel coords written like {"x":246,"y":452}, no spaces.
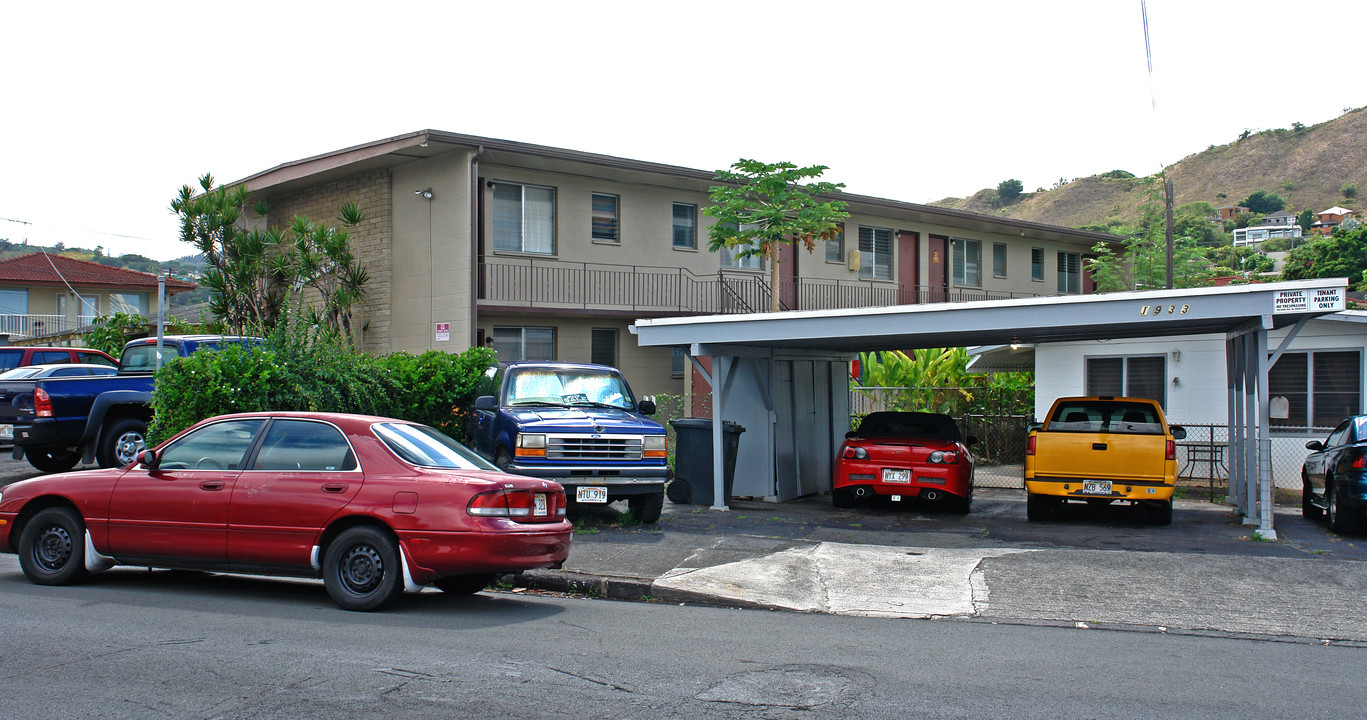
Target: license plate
{"x":591,"y":494}
{"x":538,"y":505}
{"x":1096,"y":487}
{"x":897,"y":476}
{"x":6,"y":432}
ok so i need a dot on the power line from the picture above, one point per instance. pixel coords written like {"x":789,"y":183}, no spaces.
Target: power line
{"x":78,"y":230}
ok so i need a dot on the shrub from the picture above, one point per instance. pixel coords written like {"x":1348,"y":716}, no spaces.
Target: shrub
{"x":319,"y":373}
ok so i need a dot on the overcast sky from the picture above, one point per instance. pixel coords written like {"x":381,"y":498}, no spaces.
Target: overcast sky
{"x":110,"y":107}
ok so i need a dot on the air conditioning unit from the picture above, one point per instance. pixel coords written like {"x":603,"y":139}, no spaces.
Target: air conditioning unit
{"x":852,"y":260}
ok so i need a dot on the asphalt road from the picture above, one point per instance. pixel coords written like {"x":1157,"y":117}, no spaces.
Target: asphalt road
{"x":136,"y":644}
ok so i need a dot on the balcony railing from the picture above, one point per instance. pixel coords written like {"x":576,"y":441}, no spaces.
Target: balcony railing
{"x":26,"y":326}
{"x":538,"y":283}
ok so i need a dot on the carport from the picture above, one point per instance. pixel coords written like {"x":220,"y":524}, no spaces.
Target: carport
{"x":783,"y":375}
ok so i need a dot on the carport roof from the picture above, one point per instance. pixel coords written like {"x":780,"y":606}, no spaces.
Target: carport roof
{"x":1004,"y":322}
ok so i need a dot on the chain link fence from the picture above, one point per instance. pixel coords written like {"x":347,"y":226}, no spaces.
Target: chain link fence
{"x":1203,"y":456}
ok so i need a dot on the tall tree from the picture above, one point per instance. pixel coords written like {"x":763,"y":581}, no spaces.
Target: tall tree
{"x":763,"y":206}
{"x":250,"y":272}
{"x":1141,"y":263}
{"x":1343,"y":254}
{"x":1264,"y":202}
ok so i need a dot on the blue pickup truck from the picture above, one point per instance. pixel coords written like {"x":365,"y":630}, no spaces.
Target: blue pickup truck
{"x":57,"y":422}
{"x":577,"y":424}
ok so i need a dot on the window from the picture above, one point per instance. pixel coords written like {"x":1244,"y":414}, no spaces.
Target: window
{"x":677,"y":362}
{"x":213,"y":447}
{"x":519,"y":343}
{"x":91,"y":358}
{"x":875,"y":253}
{"x":128,"y":303}
{"x":10,"y":358}
{"x":90,"y":306}
{"x":603,"y":346}
{"x":13,"y":302}
{"x":1321,"y":387}
{"x":605,"y":218}
{"x":44,"y":357}
{"x":1143,"y":376}
{"x":524,"y":218}
{"x":968,"y":259}
{"x":1037,"y":264}
{"x":685,"y":226}
{"x":301,"y":445}
{"x":835,"y":247}
{"x":1069,"y":273}
{"x":422,"y":445}
{"x":999,"y":260}
{"x":749,"y":262}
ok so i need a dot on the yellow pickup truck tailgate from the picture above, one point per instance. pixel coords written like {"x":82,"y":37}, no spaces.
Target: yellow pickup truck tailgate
{"x":1100,"y":456}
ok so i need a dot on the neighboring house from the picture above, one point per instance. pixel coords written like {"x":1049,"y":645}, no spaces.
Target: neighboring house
{"x":45,"y":294}
{"x":1280,"y":218}
{"x":1327,"y":220}
{"x":546,"y":253}
{"x":1317,"y":381}
{"x":1227,"y":212}
{"x":1256,"y":234}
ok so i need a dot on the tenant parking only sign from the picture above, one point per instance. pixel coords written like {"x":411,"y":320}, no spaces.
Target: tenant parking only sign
{"x":1316,"y":300}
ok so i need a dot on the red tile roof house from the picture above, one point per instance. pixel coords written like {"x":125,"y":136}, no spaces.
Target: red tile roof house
{"x":44,"y":294}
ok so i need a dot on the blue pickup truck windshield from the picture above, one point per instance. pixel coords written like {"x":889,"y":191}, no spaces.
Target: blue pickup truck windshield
{"x":568,"y":387}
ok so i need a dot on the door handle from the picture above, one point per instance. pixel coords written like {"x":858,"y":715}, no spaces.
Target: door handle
{"x":1098,"y":446}
{"x":335,"y":487}
{"x":211,"y":485}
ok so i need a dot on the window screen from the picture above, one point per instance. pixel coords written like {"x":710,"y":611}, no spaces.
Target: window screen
{"x":523,"y":218}
{"x":968,"y":256}
{"x":1037,"y":264}
{"x":999,"y":260}
{"x":517,"y":343}
{"x":685,"y":226}
{"x":605,"y":218}
{"x":1069,"y":273}
{"x":603,"y":346}
{"x":1140,"y":377}
{"x":835,"y":247}
{"x":875,"y":253}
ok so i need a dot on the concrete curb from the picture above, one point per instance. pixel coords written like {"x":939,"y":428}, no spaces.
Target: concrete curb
{"x":630,"y":589}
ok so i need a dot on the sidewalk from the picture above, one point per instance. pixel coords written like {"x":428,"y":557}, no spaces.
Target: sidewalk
{"x":1101,"y":568}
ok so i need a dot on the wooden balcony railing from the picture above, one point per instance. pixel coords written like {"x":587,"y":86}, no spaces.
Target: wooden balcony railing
{"x":538,"y":283}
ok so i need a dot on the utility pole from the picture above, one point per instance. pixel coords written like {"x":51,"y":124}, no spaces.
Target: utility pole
{"x":1167,"y":192}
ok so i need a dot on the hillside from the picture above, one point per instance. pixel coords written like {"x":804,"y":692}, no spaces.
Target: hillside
{"x":1307,"y":167}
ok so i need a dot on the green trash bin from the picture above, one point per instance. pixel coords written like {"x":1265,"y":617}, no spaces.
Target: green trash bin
{"x":692,"y":482}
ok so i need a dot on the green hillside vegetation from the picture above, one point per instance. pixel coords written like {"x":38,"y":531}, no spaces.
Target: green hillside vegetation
{"x":1311,"y":167}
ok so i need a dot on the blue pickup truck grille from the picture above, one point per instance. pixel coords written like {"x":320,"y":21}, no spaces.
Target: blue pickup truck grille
{"x":588,"y":447}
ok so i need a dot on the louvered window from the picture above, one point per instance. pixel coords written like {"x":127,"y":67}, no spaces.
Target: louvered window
{"x":1320,"y":389}
{"x":968,"y":262}
{"x":1142,"y":376}
{"x":603,"y":346}
{"x":605,"y":224}
{"x":1069,"y":273}
{"x":875,"y":253}
{"x":685,"y":226}
{"x":1037,"y":264}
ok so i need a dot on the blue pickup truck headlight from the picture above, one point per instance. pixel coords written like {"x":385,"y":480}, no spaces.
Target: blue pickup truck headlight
{"x":654,"y":446}
{"x":531,"y":445}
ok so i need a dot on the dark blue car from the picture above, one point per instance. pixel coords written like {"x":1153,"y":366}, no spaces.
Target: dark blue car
{"x":1334,"y":476}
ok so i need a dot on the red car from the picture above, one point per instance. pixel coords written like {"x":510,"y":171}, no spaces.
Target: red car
{"x":905,"y":455}
{"x":373,"y":506}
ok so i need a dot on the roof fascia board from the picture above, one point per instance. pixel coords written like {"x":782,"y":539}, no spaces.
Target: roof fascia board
{"x":298,"y":169}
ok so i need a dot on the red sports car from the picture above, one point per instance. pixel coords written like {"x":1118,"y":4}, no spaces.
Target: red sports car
{"x":374,"y":506}
{"x":905,"y":455}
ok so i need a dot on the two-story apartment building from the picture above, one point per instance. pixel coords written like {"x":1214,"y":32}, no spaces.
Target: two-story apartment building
{"x":44,"y":294}
{"x":549,"y":253}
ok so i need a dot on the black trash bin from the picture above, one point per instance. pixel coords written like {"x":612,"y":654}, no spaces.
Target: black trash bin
{"x":693,"y":460}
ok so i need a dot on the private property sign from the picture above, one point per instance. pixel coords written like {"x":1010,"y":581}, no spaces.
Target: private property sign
{"x":1299,"y":301}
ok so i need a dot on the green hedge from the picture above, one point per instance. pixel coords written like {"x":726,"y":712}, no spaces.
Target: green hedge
{"x":434,"y":388}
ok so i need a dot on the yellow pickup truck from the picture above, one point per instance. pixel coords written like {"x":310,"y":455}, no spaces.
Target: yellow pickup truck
{"x":1100,"y":450}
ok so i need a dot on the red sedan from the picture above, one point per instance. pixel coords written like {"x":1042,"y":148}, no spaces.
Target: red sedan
{"x":905,"y":455}
{"x":373,"y":506}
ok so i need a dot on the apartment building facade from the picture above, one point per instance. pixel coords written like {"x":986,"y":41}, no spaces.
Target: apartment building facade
{"x":547,"y":253}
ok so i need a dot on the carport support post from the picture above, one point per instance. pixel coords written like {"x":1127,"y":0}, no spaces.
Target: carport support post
{"x":1232,"y":415}
{"x":1250,"y":487}
{"x":721,"y":371}
{"x":1265,"y":528}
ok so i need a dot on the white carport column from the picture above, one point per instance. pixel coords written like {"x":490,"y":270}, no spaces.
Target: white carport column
{"x":722,"y":367}
{"x":1265,"y":528}
{"x":1250,"y":501}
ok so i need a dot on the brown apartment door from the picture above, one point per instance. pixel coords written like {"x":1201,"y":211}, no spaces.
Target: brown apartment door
{"x":937,"y":277}
{"x":787,"y":276}
{"x":908,"y":255}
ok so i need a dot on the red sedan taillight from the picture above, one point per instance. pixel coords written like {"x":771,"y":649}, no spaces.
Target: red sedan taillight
{"x":519,"y":505}
{"x":42,"y":404}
